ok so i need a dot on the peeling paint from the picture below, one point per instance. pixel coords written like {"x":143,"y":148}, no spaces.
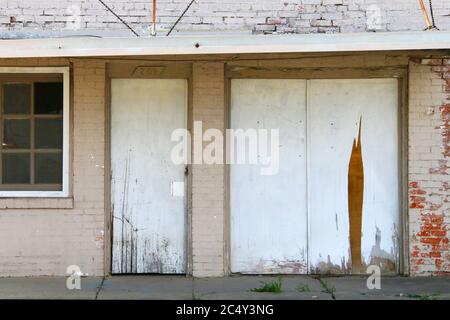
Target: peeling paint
{"x":328,"y":267}
{"x":416,"y":196}
{"x":432,"y":243}
{"x":355,"y":199}
{"x":381,"y":258}
{"x":429,"y":250}
{"x":275,"y":266}
{"x":354,"y":174}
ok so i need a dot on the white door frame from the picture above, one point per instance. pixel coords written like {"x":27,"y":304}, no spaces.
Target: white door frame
{"x":143,"y":70}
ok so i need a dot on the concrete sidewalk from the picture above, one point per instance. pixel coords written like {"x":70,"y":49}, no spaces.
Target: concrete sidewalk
{"x":237,"y":287}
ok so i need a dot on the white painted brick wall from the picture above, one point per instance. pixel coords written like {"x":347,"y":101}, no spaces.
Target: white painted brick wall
{"x":259,"y":16}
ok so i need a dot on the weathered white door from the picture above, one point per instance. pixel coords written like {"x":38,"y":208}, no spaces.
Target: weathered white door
{"x":149,"y":224}
{"x":268,"y":212}
{"x":353,"y":175}
{"x":334,"y":205}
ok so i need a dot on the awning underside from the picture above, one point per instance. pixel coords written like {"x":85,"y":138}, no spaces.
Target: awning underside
{"x":229,"y":44}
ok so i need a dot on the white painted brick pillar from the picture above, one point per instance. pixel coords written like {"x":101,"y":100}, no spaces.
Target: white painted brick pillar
{"x":208,"y":180}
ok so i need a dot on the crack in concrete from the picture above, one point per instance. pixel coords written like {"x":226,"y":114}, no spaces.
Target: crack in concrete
{"x":326,"y":288}
{"x":99,"y":288}
{"x":193,"y":288}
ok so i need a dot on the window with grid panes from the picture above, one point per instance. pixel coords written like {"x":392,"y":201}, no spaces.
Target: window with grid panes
{"x":31,"y":131}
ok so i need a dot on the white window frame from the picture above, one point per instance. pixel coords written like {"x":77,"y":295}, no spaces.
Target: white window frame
{"x":65,"y":71}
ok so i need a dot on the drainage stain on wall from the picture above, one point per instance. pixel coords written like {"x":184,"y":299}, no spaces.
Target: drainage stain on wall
{"x":355,"y":199}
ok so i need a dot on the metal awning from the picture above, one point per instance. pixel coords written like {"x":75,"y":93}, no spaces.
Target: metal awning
{"x":224,"y":44}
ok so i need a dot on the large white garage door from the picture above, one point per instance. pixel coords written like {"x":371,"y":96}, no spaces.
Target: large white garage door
{"x":334,"y":205}
{"x":268,"y":212}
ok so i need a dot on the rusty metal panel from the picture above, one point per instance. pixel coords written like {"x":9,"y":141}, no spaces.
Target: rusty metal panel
{"x":149,"y":223}
{"x":354,"y":209}
{"x":268,"y":212}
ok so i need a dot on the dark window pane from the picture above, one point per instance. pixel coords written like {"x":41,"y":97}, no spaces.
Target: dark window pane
{"x":49,"y":133}
{"x":16,"y":168}
{"x":48,"y":167}
{"x":16,"y":98}
{"x":16,"y":133}
{"x":48,"y":98}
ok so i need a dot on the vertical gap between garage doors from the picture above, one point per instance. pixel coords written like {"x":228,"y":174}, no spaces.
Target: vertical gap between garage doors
{"x":308,"y":143}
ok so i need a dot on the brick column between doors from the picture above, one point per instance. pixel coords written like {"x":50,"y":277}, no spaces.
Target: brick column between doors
{"x":208,"y":191}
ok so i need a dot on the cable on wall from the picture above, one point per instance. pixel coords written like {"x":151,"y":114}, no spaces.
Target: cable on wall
{"x":433,"y":23}
{"x":118,"y":17}
{"x":181,"y":16}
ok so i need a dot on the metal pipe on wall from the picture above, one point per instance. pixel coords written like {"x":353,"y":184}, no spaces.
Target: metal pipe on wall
{"x":425,"y":15}
{"x":153,"y":17}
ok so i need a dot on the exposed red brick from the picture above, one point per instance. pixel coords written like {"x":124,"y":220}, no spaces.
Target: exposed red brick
{"x":417,"y":191}
{"x":442,"y":169}
{"x":432,"y":61}
{"x":416,"y":198}
{"x":413,"y":184}
{"x":430,"y":249}
{"x":433,"y":244}
{"x":417,"y":202}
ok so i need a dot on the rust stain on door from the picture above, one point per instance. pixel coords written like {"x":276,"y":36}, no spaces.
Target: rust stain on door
{"x":355,"y":199}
